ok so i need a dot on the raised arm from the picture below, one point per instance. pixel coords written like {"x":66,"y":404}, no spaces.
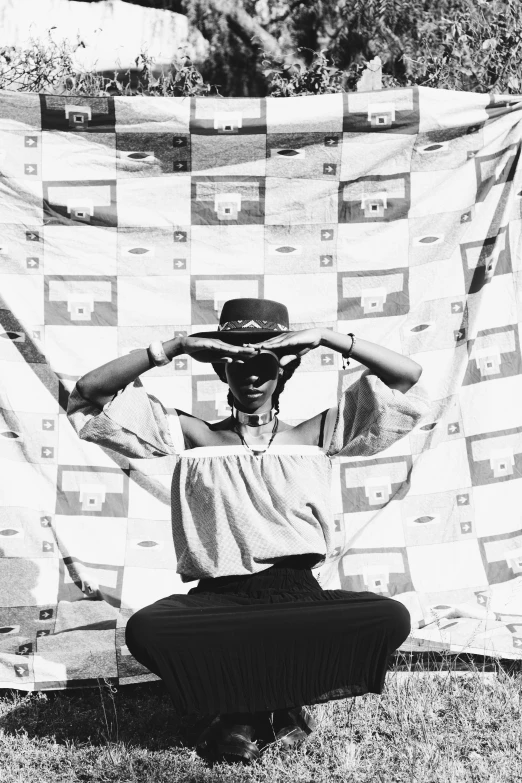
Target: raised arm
{"x":374,"y":412}
{"x":101,"y":384}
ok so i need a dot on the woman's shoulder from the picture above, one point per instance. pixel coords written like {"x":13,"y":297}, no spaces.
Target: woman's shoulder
{"x":199,"y":432}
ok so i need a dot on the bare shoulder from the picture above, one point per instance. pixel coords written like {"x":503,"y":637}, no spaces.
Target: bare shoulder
{"x":199,"y":432}
{"x":191,"y":426}
{"x":309,"y":431}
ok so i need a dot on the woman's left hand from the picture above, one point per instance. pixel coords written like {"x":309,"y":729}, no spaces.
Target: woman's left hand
{"x":289,"y":346}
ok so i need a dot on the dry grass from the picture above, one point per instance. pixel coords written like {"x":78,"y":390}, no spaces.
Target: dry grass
{"x":448,"y":726}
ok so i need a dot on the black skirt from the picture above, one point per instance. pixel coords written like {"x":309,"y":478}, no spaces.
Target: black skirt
{"x":267,"y":641}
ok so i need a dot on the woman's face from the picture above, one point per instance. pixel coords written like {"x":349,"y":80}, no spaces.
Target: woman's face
{"x":259,"y":374}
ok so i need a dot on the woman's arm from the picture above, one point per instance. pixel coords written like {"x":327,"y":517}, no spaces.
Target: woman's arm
{"x":101,"y":384}
{"x":395,"y":370}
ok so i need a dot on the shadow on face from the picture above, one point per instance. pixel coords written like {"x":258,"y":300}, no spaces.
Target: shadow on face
{"x":260,"y":373}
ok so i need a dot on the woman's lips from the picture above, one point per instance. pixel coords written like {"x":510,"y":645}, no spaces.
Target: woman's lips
{"x":252,"y":392}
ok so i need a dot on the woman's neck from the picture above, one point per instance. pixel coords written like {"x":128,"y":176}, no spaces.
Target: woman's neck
{"x":238,"y":423}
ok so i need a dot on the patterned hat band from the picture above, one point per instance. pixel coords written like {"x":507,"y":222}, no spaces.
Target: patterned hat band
{"x":252,"y":324}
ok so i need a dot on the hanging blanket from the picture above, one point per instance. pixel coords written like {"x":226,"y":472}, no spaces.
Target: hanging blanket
{"x":393,"y":214}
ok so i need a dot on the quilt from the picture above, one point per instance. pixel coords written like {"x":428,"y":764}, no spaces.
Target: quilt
{"x":395,"y":214}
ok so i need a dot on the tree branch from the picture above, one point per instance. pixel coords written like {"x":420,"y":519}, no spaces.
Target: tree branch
{"x":247,"y":27}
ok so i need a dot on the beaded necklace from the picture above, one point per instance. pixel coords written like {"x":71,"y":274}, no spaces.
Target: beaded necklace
{"x":258,"y":452}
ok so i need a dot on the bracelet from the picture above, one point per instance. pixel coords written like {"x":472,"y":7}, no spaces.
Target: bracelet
{"x":346,"y":359}
{"x":157,"y":354}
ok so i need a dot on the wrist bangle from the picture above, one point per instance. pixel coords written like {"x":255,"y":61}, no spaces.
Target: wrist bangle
{"x":346,"y":358}
{"x":157,"y":354}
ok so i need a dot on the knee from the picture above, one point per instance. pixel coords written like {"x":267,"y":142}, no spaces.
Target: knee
{"x":399,"y":622}
{"x":138,"y":628}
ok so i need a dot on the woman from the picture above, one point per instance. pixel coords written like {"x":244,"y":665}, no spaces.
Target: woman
{"x":257,"y":639}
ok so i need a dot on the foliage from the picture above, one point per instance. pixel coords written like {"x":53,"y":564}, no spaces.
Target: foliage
{"x":319,"y":46}
{"x":447,"y":727}
{"x":46,"y":66}
{"x":293,"y":77}
{"x":479,"y":49}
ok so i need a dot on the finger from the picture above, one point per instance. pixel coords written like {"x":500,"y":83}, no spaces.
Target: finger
{"x":287,"y":359}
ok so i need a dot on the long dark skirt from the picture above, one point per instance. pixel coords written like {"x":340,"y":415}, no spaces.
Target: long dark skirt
{"x":267,"y":641}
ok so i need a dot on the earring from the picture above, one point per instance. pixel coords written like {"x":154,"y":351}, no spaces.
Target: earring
{"x":280,"y":371}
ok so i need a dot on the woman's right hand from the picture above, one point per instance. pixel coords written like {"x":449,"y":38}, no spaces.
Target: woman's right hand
{"x":210,"y":350}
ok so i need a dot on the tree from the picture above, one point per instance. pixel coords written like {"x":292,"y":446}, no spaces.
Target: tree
{"x":288,"y":47}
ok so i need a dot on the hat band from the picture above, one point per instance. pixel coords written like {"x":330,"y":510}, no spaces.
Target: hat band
{"x":253,"y":324}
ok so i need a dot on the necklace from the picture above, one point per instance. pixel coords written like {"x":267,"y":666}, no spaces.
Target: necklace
{"x":258,"y":452}
{"x":252,"y":419}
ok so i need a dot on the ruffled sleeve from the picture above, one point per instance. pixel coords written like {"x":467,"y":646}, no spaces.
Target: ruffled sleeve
{"x":371,"y":416}
{"x":133,"y":423}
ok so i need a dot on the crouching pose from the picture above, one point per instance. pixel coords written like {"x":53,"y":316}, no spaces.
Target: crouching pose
{"x":257,"y":639}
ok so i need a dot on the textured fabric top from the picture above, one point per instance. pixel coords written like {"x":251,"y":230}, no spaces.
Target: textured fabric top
{"x":236,"y":513}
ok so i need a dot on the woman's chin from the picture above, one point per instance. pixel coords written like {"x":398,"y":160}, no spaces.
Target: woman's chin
{"x":252,"y":403}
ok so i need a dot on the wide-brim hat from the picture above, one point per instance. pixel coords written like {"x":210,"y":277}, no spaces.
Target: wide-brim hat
{"x":249,"y":321}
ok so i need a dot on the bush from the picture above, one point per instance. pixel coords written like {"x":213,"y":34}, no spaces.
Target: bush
{"x":450,"y":44}
{"x":46,"y":66}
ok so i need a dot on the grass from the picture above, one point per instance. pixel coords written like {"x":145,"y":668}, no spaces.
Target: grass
{"x":449,"y":726}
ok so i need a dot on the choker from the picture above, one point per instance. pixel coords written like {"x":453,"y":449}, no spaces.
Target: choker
{"x":253,"y":419}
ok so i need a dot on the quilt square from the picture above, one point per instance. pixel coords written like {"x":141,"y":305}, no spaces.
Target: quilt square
{"x":77,"y":114}
{"x":446,"y":149}
{"x":154,"y":250}
{"x":20,"y":154}
{"x":92,"y":491}
{"x":227,"y":249}
{"x":18,"y":342}
{"x":496,"y":168}
{"x":373,"y":483}
{"x":154,"y":201}
{"x":378,"y":294}
{"x":152,"y":114}
{"x":87,"y":301}
{"x":80,"y":203}
{"x":436,"y":324}
{"x":494,"y":353}
{"x":78,"y":157}
{"x":388,"y":111}
{"x":228,"y":200}
{"x":309,"y":155}
{"x":242,"y":155}
{"x":483,"y":259}
{"x":228,"y":116}
{"x":445,"y":517}
{"x":300,"y":249}
{"x":208,"y":294}
{"x":502,"y":556}
{"x":495,"y":456}
{"x":316,"y":113}
{"x":152,"y":154}
{"x":374,"y":198}
{"x":384,"y":571}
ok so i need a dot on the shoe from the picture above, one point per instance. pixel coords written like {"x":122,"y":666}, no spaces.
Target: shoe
{"x":233,"y":742}
{"x":205,"y":747}
{"x":296,"y":716}
{"x":291,"y":727}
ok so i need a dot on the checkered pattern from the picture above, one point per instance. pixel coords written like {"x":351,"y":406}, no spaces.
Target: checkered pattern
{"x":393,"y":214}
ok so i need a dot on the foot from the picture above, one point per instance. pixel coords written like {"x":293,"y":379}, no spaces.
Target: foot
{"x":292,"y":727}
{"x":234,"y":741}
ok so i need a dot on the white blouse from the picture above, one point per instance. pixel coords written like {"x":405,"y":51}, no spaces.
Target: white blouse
{"x":235,"y":513}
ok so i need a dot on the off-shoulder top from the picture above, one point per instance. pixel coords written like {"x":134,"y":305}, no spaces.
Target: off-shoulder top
{"x":234,"y":513}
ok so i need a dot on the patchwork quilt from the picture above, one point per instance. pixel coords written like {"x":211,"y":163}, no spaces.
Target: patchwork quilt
{"x":394,"y":214}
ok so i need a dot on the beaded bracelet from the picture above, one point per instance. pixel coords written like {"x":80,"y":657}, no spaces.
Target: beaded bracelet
{"x":346,"y":359}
